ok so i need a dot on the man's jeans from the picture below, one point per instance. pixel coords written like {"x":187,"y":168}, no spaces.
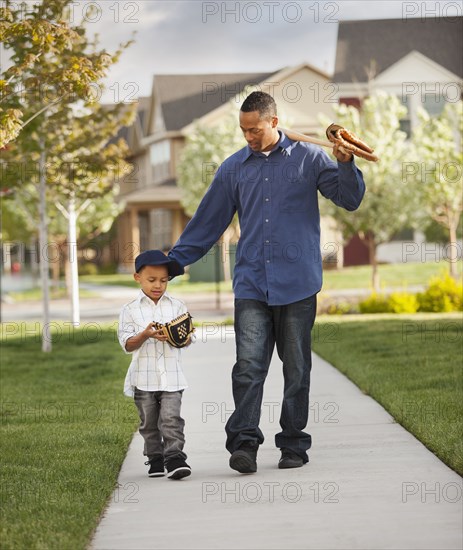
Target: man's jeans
{"x":258,"y":327}
{"x":161,"y":425}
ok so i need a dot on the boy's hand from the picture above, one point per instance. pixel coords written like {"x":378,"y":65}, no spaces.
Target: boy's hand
{"x":151,"y":332}
{"x":134,"y":342}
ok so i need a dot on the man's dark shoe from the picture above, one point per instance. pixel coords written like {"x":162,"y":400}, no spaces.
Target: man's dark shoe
{"x":156,"y":464}
{"x":177,"y":468}
{"x":290,"y":459}
{"x":243,"y":460}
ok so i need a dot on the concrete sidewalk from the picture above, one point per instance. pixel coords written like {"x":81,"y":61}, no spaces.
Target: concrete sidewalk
{"x":369,"y":483}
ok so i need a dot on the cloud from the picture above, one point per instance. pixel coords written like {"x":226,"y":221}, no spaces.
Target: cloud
{"x":188,"y":36}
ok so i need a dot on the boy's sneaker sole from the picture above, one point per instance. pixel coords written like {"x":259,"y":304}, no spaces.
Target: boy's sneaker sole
{"x":157,"y":474}
{"x":242,"y":462}
{"x":179,"y":473}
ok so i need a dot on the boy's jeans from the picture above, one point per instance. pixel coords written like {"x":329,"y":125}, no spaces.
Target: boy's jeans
{"x":258,"y":327}
{"x":160,"y":422}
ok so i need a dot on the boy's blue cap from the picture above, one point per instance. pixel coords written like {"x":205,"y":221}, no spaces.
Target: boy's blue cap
{"x":157,"y":257}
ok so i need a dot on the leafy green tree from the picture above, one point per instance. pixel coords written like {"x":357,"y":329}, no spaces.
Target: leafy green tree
{"x":436,"y":170}
{"x":389,"y":205}
{"x":205,"y":150}
{"x":59,"y":155}
{"x":31,"y":34}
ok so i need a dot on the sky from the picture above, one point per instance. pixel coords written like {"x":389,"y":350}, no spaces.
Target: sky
{"x":197,"y":36}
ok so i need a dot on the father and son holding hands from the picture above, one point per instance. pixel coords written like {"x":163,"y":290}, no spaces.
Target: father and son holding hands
{"x":273,"y":184}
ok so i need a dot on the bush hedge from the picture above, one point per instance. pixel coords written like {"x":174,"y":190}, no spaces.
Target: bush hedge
{"x":442,"y":294}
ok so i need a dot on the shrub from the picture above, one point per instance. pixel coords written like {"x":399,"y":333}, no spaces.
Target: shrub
{"x":443,"y":294}
{"x":88,"y":268}
{"x":107,"y":269}
{"x":341,"y":308}
{"x":376,"y":303}
{"x":401,"y":302}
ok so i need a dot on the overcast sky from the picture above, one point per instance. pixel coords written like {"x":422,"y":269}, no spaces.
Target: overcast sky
{"x":196,"y":36}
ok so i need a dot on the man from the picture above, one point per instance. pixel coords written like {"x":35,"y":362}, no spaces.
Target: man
{"x":272,"y":183}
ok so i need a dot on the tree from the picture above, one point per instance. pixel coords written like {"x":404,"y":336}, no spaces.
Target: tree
{"x":437,"y":170}
{"x":205,"y":150}
{"x":90,"y":171}
{"x":32,"y":33}
{"x":388,"y":205}
{"x":50,"y":85}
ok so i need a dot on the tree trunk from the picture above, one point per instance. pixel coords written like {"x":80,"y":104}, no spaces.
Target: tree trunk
{"x":43,"y":253}
{"x":372,"y":247}
{"x":55,"y":270}
{"x":226,"y":239}
{"x":72,"y":243}
{"x":453,"y":256}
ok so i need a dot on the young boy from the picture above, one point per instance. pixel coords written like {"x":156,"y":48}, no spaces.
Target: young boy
{"x":155,"y":379}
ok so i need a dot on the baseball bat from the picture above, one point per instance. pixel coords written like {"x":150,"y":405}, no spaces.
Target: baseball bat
{"x":297,"y":136}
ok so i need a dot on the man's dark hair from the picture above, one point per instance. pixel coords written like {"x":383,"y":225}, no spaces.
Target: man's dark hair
{"x":261,"y":102}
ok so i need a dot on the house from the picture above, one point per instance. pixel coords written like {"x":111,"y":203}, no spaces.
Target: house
{"x":418,"y":59}
{"x":153,"y":216}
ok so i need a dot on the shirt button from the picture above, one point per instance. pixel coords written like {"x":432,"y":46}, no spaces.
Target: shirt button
{"x":268,"y":261}
{"x":266,"y":200}
{"x":267,"y":242}
{"x":266,"y":179}
{"x":266,"y":221}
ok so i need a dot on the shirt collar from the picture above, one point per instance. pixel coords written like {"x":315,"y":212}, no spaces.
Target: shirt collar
{"x":284,"y":143}
{"x":142,"y":296}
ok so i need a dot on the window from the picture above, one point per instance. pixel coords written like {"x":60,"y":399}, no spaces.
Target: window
{"x":143,"y":225}
{"x":161,"y":228}
{"x":156,"y":229}
{"x":433,"y":103}
{"x":405,"y":123}
{"x":160,"y":160}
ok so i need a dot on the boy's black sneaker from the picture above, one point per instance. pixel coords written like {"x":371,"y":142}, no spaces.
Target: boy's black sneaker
{"x":243,"y":460}
{"x":177,"y":468}
{"x":156,"y":464}
{"x":289,"y":459}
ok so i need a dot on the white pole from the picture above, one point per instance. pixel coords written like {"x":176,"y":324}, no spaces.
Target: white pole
{"x":43,"y":252}
{"x":73,"y":260}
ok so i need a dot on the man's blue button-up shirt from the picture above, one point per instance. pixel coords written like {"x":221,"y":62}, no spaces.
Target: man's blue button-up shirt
{"x":278,"y":259}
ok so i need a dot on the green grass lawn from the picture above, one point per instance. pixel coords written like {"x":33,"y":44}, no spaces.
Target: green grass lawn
{"x":55,"y":294}
{"x":412,"y":365}
{"x":66,"y":426}
{"x":181,"y":284}
{"x":65,"y":429}
{"x":399,"y":276}
{"x":391,"y":275}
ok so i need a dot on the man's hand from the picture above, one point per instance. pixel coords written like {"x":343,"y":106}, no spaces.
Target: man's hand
{"x":341,"y":154}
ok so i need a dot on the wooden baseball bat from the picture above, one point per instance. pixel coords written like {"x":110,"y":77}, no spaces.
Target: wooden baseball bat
{"x":297,"y":136}
{"x":366,"y":153}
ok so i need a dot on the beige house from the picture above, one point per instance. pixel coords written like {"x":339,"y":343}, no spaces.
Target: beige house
{"x":153,"y":216}
{"x":420,"y":61}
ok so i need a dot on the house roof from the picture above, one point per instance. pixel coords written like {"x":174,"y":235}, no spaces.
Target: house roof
{"x":383,"y":42}
{"x":143,"y":108}
{"x":184,"y":98}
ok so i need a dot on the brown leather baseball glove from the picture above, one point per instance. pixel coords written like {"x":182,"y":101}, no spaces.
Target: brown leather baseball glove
{"x":350,"y":142}
{"x":178,"y":330}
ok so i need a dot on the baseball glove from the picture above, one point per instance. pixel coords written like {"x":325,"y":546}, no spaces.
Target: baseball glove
{"x":350,"y":142}
{"x":178,"y":330}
